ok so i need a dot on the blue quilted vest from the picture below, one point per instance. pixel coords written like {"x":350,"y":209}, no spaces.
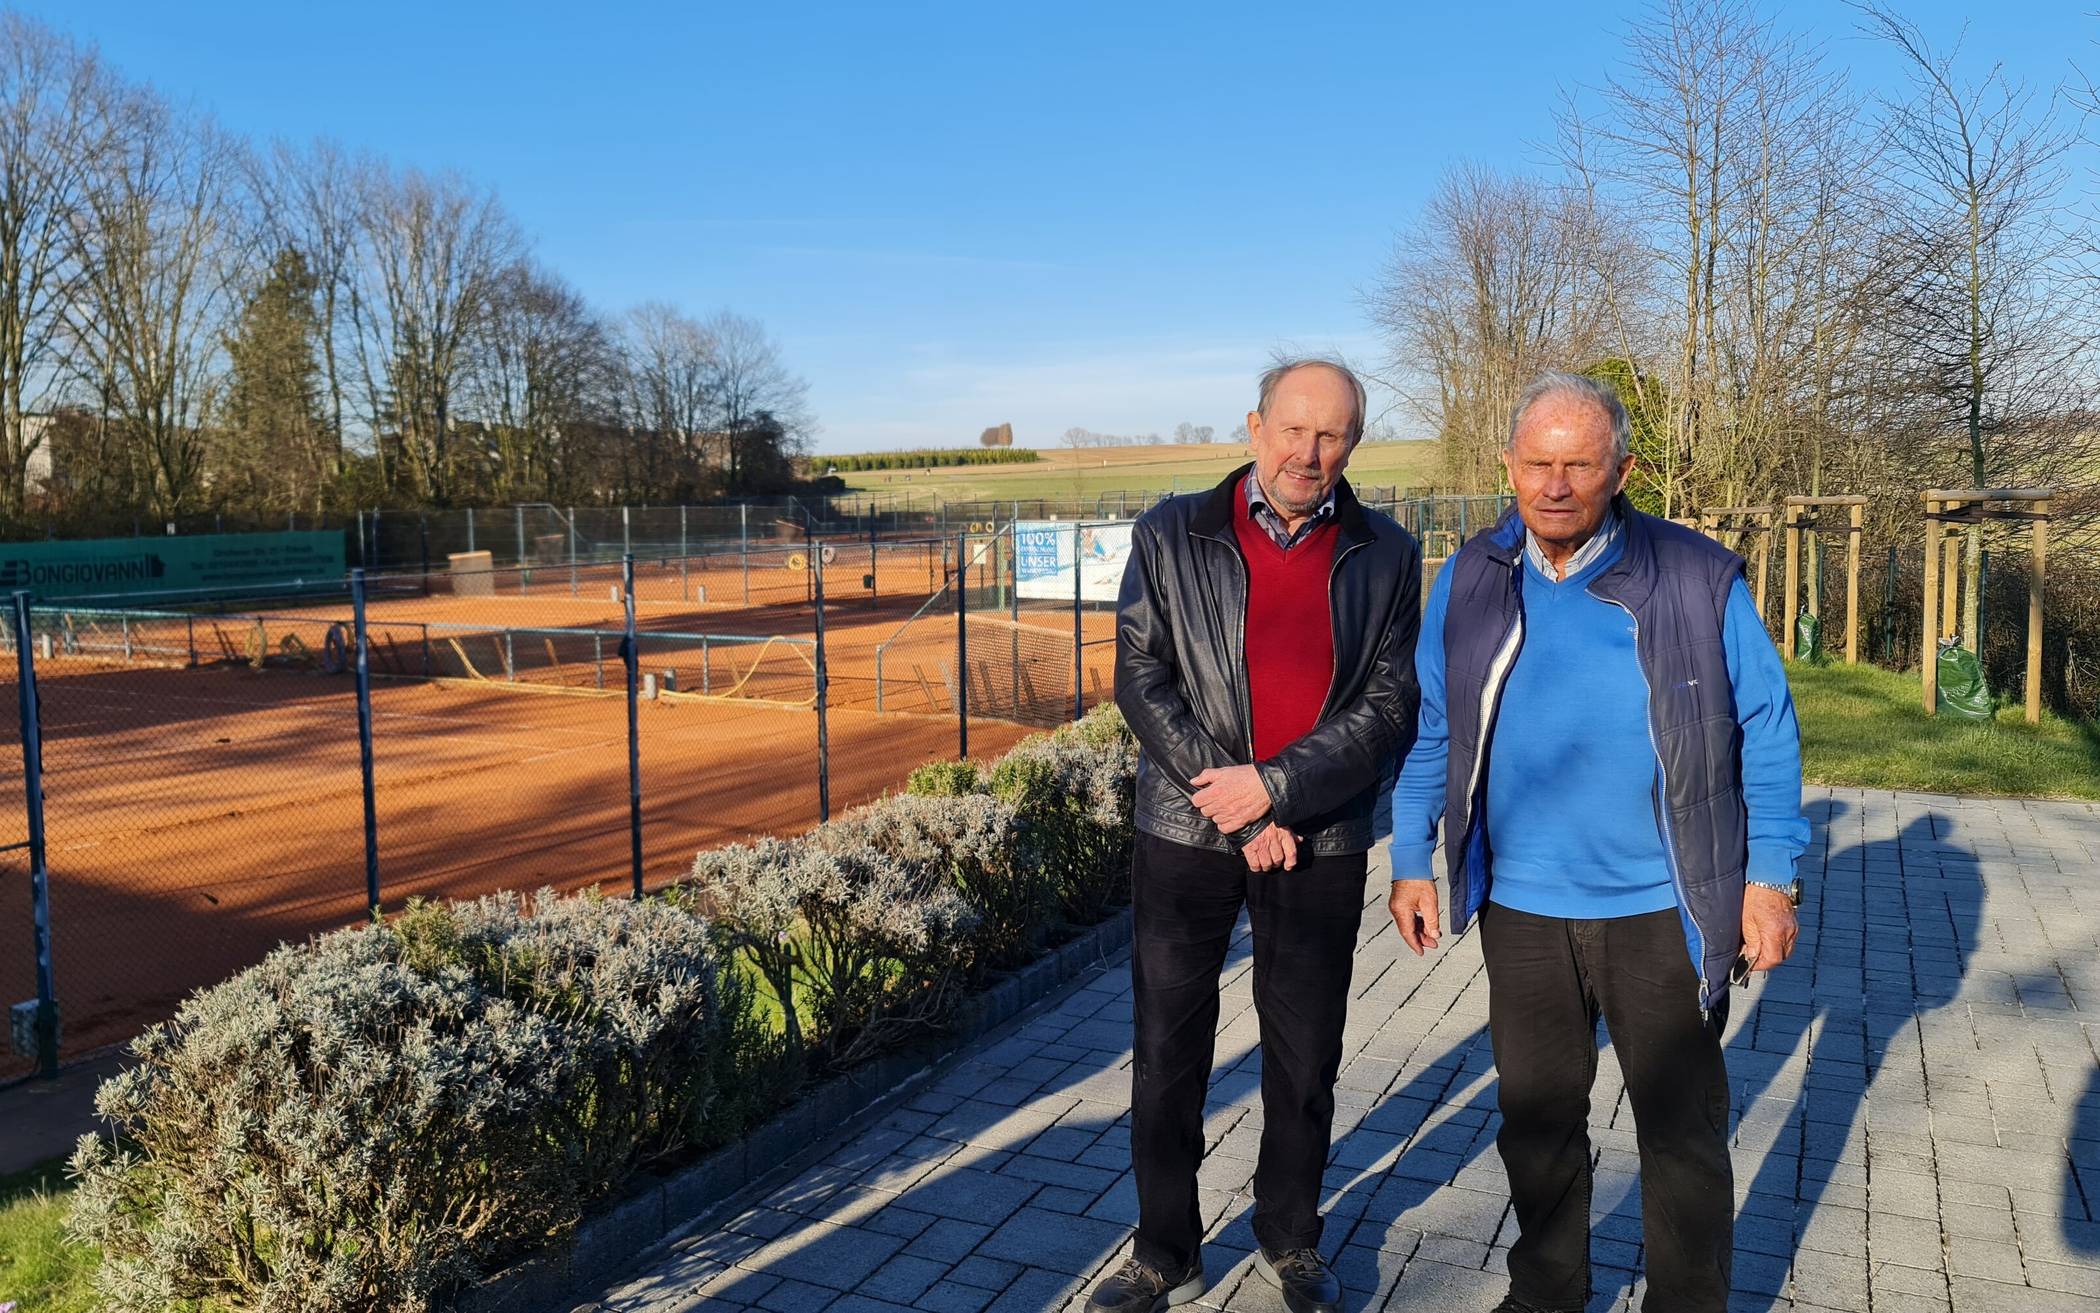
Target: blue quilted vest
{"x":1675,"y":584}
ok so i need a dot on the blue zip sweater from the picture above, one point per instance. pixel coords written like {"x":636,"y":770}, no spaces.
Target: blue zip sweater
{"x":1570,"y":817}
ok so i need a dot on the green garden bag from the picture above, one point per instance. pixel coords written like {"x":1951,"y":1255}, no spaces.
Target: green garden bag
{"x":1962,"y":692}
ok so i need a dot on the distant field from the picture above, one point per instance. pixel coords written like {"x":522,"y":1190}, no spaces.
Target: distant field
{"x":1064,"y":472}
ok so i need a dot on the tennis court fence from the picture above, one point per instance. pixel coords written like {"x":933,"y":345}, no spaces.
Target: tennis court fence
{"x":188,"y":781}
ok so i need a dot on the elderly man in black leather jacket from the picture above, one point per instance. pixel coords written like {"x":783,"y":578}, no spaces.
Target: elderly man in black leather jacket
{"x":1265,"y":660}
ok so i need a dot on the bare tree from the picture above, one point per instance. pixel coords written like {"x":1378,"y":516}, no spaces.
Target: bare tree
{"x":307,"y":199}
{"x":761,"y":406}
{"x":1977,"y":299}
{"x":162,"y":245}
{"x":546,"y":373}
{"x":431,"y":250}
{"x":671,"y":375}
{"x":1504,"y":276}
{"x":53,"y":136}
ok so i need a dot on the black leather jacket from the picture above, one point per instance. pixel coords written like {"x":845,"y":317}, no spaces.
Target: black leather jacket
{"x":1181,"y":672}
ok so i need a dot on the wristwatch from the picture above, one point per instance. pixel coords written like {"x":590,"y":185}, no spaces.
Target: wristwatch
{"x":1792,"y":889}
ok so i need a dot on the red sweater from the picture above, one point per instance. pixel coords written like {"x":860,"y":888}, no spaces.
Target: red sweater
{"x":1290,"y":632}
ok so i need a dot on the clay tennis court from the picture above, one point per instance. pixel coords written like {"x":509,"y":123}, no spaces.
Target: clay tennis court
{"x":204,"y":800}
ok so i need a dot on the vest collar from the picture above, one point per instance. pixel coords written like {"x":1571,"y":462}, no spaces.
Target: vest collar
{"x":1629,"y":580}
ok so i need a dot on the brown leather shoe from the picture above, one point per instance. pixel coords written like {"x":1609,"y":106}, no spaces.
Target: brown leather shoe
{"x":1136,"y":1288}
{"x":1307,"y":1283}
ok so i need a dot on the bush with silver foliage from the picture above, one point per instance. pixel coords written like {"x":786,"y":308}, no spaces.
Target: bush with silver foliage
{"x":371,"y":1119}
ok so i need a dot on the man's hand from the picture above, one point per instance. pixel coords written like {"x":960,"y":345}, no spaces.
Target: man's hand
{"x":1232,"y":797}
{"x":1274,"y":847}
{"x":1413,"y":905}
{"x":1769,"y":927}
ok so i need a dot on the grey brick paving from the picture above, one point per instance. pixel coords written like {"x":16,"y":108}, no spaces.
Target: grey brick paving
{"x":1917,"y":1118}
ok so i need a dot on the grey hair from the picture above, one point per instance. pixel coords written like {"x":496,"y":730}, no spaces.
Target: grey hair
{"x":1558,"y":383}
{"x":1291,"y":364}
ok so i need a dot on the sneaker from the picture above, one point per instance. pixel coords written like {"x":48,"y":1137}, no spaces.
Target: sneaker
{"x":1307,"y":1283}
{"x":1136,"y":1288}
{"x":1511,"y":1304}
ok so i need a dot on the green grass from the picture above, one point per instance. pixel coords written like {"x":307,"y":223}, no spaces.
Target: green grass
{"x":1135,"y":470}
{"x":41,"y":1270}
{"x":1865,"y":727}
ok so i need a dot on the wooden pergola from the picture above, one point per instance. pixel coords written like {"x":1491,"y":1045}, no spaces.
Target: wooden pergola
{"x":1800,"y":519}
{"x":1950,"y":513}
{"x":1727,"y":525}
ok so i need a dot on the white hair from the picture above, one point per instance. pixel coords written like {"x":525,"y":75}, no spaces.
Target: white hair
{"x":1557,"y":383}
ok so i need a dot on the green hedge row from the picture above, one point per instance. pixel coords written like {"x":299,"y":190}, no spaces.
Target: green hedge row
{"x":384,"y":1114}
{"x":924,"y":459}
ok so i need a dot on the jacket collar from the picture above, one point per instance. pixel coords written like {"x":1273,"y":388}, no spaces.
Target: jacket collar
{"x":1213,"y":517}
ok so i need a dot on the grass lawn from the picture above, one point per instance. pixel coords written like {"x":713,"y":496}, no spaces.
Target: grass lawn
{"x":40,"y":1270}
{"x":1866,"y":727}
{"x":1091,"y":472}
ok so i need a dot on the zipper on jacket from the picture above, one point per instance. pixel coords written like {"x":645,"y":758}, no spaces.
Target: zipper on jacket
{"x":1504,"y":661}
{"x":1334,"y":656}
{"x":1662,"y":811}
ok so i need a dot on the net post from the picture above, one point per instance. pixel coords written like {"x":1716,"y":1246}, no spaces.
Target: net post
{"x":961,"y":580}
{"x":823,"y":697}
{"x":364,"y":740}
{"x":629,"y":652}
{"x":39,"y":874}
{"x":1078,"y":633}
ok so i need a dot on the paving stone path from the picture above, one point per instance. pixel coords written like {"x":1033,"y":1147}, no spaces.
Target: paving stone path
{"x":1917,"y":1108}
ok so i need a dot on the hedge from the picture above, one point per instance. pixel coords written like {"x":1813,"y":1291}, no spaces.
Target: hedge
{"x":925,"y":459}
{"x":381,"y":1115}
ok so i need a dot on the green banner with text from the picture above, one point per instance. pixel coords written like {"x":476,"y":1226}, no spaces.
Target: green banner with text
{"x":192,"y":563}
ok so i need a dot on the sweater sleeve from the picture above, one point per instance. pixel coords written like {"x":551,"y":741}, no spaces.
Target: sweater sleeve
{"x":1764,"y":707}
{"x":1418,"y":795}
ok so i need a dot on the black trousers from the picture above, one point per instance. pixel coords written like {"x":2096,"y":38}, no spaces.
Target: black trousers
{"x":1548,"y":982}
{"x":1185,"y":901}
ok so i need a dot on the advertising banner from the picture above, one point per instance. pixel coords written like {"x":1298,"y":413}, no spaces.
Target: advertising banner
{"x":1047,"y":551}
{"x":191,"y":563}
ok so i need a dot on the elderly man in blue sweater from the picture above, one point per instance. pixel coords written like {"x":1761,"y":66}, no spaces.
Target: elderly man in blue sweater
{"x":1607,"y":740}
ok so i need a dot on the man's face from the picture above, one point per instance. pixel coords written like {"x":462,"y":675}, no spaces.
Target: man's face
{"x":1560,"y":464}
{"x":1303,"y":446}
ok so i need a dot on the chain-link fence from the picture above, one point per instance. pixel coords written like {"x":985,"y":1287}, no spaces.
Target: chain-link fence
{"x":221,"y":774}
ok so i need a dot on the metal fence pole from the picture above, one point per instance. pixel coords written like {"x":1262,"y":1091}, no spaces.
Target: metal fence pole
{"x":1078,"y":632}
{"x":684,"y":593}
{"x":743,"y":516}
{"x":470,"y":528}
{"x":626,"y":534}
{"x":572,"y":551}
{"x":1888,"y":613}
{"x":962,"y":649}
{"x":628,"y":650}
{"x":364,"y":739}
{"x":521,"y":541}
{"x":39,"y":874}
{"x":823,"y":715}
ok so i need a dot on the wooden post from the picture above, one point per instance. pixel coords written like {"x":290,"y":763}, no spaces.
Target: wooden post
{"x":1929,"y":653}
{"x":1793,"y":583}
{"x":1859,"y":532}
{"x":2037,"y":576}
{"x":1950,"y":578}
{"x":1764,"y":566}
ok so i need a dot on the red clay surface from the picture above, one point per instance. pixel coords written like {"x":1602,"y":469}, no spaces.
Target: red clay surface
{"x":196,"y":818}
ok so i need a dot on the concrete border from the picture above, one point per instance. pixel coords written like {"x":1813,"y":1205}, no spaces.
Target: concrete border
{"x":659,"y":1211}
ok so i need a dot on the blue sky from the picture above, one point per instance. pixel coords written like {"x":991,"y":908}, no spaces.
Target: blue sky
{"x":956,"y":215}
